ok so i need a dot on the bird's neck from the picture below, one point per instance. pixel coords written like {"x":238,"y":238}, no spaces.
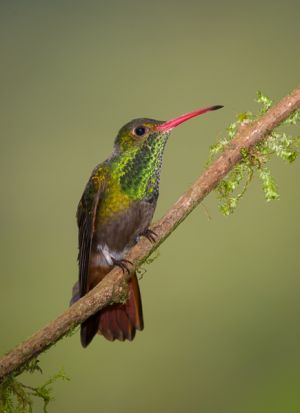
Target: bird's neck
{"x":138,"y":170}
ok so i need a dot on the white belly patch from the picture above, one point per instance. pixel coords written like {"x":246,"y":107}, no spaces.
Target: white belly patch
{"x":106,"y":256}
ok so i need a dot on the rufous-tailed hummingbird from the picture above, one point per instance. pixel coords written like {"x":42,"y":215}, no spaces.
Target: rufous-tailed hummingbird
{"x":116,"y":208}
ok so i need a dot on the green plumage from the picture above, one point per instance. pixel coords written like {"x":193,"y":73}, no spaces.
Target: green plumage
{"x":132,"y":172}
{"x":115,"y":209}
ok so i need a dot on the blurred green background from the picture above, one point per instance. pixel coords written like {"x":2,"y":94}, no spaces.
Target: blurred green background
{"x":221,"y":303}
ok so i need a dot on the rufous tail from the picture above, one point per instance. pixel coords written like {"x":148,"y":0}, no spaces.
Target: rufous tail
{"x":117,"y":321}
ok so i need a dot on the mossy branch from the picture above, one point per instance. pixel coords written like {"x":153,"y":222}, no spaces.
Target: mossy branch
{"x":244,"y":138}
{"x":16,"y":397}
{"x":231,"y":189}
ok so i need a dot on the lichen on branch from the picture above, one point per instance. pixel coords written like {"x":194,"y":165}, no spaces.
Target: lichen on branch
{"x":254,"y":161}
{"x":17,"y":397}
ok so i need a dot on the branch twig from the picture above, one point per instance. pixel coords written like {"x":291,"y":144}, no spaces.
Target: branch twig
{"x":112,"y":287}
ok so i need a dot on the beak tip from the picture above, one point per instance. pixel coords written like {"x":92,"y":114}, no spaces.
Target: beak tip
{"x":167,"y":126}
{"x":216,"y":107}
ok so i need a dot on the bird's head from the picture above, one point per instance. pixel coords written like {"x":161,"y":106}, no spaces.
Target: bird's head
{"x":143,"y":131}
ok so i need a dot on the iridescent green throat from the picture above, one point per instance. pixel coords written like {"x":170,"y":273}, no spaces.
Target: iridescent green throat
{"x":138,"y":169}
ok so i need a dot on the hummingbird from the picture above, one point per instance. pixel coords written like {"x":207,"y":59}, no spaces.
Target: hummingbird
{"x":115,"y":210}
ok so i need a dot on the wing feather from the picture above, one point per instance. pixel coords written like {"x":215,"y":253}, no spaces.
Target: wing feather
{"x":86,"y":216}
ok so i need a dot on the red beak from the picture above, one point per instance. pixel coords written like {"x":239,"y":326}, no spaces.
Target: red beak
{"x":170,"y":124}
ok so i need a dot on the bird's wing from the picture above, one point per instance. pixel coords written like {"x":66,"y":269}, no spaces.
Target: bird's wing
{"x":86,"y":215}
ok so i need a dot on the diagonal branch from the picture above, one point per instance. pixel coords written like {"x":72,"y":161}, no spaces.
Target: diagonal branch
{"x":113,"y":287}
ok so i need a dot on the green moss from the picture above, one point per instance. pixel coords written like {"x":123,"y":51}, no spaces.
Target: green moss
{"x":120,"y":296}
{"x":141,"y":270}
{"x":17,"y":397}
{"x":254,"y":161}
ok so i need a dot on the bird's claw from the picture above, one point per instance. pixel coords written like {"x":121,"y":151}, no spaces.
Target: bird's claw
{"x":123,"y":264}
{"x":150,"y":235}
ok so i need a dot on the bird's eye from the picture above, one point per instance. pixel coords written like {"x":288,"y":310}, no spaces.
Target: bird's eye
{"x":139,"y":131}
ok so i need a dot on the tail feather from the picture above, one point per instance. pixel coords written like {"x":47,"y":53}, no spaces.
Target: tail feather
{"x":134,"y":308}
{"x":117,"y":321}
{"x":114,"y":324}
{"x":120,"y":321}
{"x":88,"y":329}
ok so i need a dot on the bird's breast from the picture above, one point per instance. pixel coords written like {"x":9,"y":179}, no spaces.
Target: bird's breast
{"x":116,"y":233}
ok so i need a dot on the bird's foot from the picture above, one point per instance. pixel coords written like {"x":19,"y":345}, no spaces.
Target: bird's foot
{"x":150,"y":235}
{"x":123,"y":264}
